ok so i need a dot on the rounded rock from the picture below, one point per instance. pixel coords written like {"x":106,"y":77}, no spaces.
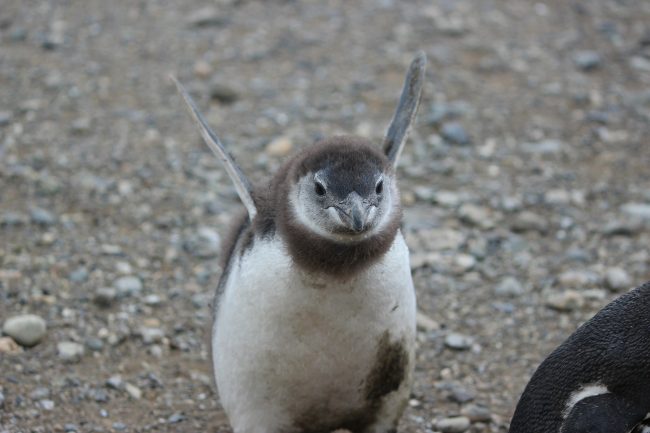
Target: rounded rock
{"x":70,"y":351}
{"x":457,"y":424}
{"x":27,"y":329}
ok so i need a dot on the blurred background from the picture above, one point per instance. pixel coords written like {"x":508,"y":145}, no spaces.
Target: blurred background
{"x":525,"y":186}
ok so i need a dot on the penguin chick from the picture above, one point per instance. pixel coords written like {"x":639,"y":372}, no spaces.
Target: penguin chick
{"x":314,"y":317}
{"x":598,"y":380}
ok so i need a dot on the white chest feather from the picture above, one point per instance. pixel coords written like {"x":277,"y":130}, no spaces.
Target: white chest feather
{"x":286,"y":342}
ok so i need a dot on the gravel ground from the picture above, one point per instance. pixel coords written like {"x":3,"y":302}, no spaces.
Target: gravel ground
{"x":525,"y":185}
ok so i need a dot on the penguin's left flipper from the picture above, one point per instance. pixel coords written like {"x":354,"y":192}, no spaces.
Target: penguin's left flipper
{"x":242,"y":184}
{"x":604,"y":413}
{"x":642,"y":427}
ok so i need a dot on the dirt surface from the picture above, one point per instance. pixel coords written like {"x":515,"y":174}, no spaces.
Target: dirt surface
{"x":525,"y":185}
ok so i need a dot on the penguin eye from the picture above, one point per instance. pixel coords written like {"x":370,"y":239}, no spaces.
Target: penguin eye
{"x":380,"y":187}
{"x":319,"y":188}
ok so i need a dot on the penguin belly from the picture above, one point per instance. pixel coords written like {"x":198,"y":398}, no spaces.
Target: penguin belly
{"x":302,"y":352}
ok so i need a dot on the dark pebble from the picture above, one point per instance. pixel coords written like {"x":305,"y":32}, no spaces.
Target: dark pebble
{"x":223,"y":93}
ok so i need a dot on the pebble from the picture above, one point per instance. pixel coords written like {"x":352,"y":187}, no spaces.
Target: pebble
{"x":79,"y":275}
{"x":206,"y":16}
{"x":12,"y":219}
{"x":202,"y":69}
{"x":70,"y":351}
{"x":128,"y":285}
{"x":618,"y":279}
{"x":463,"y":263}
{"x":70,"y":428}
{"x":115,"y":382}
{"x":587,"y":60}
{"x":5,"y":118}
{"x":475,"y":215}
{"x":509,"y":287}
{"x":119,"y":426}
{"x":544,"y":147}
{"x":2,"y":400}
{"x":426,"y":323}
{"x":476,"y":413}
{"x":39,"y":393}
{"x":204,"y":243}
{"x":568,"y":300}
{"x":280,"y":146}
{"x":527,"y":221}
{"x":176,"y":418}
{"x":152,"y":335}
{"x":95,"y":344}
{"x":8,"y":345}
{"x":223,"y":93}
{"x":27,"y":330}
{"x":458,"y":341}
{"x":105,"y":296}
{"x":455,"y":133}
{"x":457,"y":424}
{"x":637,"y":210}
{"x":152,"y":300}
{"x":46,"y":404}
{"x":133,"y":391}
{"x":41,"y":217}
{"x":460,"y":394}
{"x":578,"y":278}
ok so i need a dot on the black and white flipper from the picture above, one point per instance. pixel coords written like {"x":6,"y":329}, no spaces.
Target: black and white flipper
{"x":597,"y":381}
{"x":242,"y":184}
{"x":406,"y":109}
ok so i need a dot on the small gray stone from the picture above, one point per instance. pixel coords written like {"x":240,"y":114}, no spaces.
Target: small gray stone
{"x":12,"y":219}
{"x":204,"y":243}
{"x":115,"y":382}
{"x":454,"y":133}
{"x":458,"y":424}
{"x":5,"y":118}
{"x":573,"y":279}
{"x":105,"y":296}
{"x":42,"y":217}
{"x":18,"y":34}
{"x":79,"y":275}
{"x":152,"y":335}
{"x":128,"y":285}
{"x":476,"y":413}
{"x":587,"y":60}
{"x":152,"y":300}
{"x":528,"y":221}
{"x":543,"y":147}
{"x":2,"y":399}
{"x":81,"y":125}
{"x":568,"y":300}
{"x":206,"y":16}
{"x":70,"y":428}
{"x":40,"y":393}
{"x":509,"y":287}
{"x":475,"y":215}
{"x":458,"y":341}
{"x":618,"y":279}
{"x":95,"y":344}
{"x":461,"y":394}
{"x":176,"y":418}
{"x":27,"y":329}
{"x":133,"y":391}
{"x":637,"y":210}
{"x":46,"y":404}
{"x":70,"y":351}
{"x":119,"y":426}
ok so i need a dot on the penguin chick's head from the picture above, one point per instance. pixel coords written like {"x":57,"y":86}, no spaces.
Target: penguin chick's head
{"x":344,"y":190}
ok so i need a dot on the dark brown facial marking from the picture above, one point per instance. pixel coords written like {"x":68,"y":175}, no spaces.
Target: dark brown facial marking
{"x":389,"y":370}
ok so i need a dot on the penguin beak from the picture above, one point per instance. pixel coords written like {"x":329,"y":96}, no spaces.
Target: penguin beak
{"x":354,"y":212}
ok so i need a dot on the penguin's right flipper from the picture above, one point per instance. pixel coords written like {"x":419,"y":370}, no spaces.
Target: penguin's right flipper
{"x":642,"y":427}
{"x":242,"y":184}
{"x":604,"y":413}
